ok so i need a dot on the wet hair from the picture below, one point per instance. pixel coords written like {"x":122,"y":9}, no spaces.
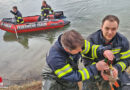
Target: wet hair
{"x":111,"y":18}
{"x":15,"y":7}
{"x":71,"y":40}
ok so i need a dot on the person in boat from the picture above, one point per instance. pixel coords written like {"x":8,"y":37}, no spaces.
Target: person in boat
{"x":61,"y":71}
{"x":108,"y":35}
{"x":45,"y":10}
{"x":17,"y":14}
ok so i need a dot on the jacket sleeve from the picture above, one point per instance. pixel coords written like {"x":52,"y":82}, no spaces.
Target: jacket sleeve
{"x":51,"y":9}
{"x":92,"y":51}
{"x":65,"y":71}
{"x":12,"y":12}
{"x":124,"y":61}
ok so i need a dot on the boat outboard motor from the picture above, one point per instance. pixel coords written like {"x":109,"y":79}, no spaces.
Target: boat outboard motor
{"x":58,"y":14}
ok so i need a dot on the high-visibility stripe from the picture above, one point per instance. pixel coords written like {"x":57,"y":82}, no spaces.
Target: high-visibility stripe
{"x":87,"y":57}
{"x":86,"y":47}
{"x":41,"y":15}
{"x":84,"y":73}
{"x":125,"y":55}
{"x":87,"y":73}
{"x":45,"y":9}
{"x":19,"y":17}
{"x":44,"y":14}
{"x":63,"y":71}
{"x":122,"y":64}
{"x":115,"y":51}
{"x":94,"y":51}
{"x":22,"y":22}
{"x":18,"y":21}
{"x":93,"y":63}
{"x":42,"y":10}
{"x":48,"y":8}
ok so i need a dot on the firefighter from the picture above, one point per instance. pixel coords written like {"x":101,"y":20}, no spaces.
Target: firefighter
{"x":108,"y":35}
{"x":45,"y":10}
{"x":17,"y":14}
{"x":61,"y":68}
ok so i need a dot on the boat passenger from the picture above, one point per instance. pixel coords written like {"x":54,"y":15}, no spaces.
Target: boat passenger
{"x":108,"y":35}
{"x":45,"y":10}
{"x":18,"y":15}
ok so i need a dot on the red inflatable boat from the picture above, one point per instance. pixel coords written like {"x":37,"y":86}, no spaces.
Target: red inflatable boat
{"x":31,"y":23}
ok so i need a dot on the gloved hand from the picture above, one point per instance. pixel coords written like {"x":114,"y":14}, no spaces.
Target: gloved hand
{"x":11,"y":11}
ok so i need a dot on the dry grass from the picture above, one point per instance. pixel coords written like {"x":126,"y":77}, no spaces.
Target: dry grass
{"x":36,"y":85}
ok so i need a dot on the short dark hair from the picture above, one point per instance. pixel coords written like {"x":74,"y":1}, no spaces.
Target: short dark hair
{"x":44,"y":2}
{"x":71,"y":40}
{"x":15,"y":7}
{"x":111,"y":18}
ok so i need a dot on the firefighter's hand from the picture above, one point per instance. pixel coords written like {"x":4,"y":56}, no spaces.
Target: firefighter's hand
{"x":80,"y":84}
{"x":11,"y":11}
{"x":106,"y":76}
{"x":115,"y":72}
{"x":101,"y":65}
{"x":109,"y":55}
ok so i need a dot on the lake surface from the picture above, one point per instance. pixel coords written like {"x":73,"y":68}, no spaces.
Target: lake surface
{"x":24,"y":58}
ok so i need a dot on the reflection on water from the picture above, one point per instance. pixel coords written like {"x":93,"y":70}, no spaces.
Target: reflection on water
{"x":23,"y":37}
{"x":85,"y":17}
{"x":11,"y":37}
{"x":30,"y":59}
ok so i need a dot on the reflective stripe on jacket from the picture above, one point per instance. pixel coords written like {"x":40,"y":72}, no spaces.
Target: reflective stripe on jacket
{"x":45,"y":10}
{"x":18,"y":17}
{"x":57,"y":60}
{"x":120,"y":48}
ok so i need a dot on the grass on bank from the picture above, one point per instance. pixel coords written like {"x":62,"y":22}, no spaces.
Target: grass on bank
{"x":35,"y":85}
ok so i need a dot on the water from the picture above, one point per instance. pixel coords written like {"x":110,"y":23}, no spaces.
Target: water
{"x":24,"y":58}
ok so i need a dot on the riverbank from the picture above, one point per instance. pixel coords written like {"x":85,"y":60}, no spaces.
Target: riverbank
{"x":35,"y":85}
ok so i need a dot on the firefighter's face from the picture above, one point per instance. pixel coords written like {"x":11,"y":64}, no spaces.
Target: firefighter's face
{"x":75,"y":51}
{"x":43,"y":4}
{"x":14,"y":10}
{"x":109,"y":29}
